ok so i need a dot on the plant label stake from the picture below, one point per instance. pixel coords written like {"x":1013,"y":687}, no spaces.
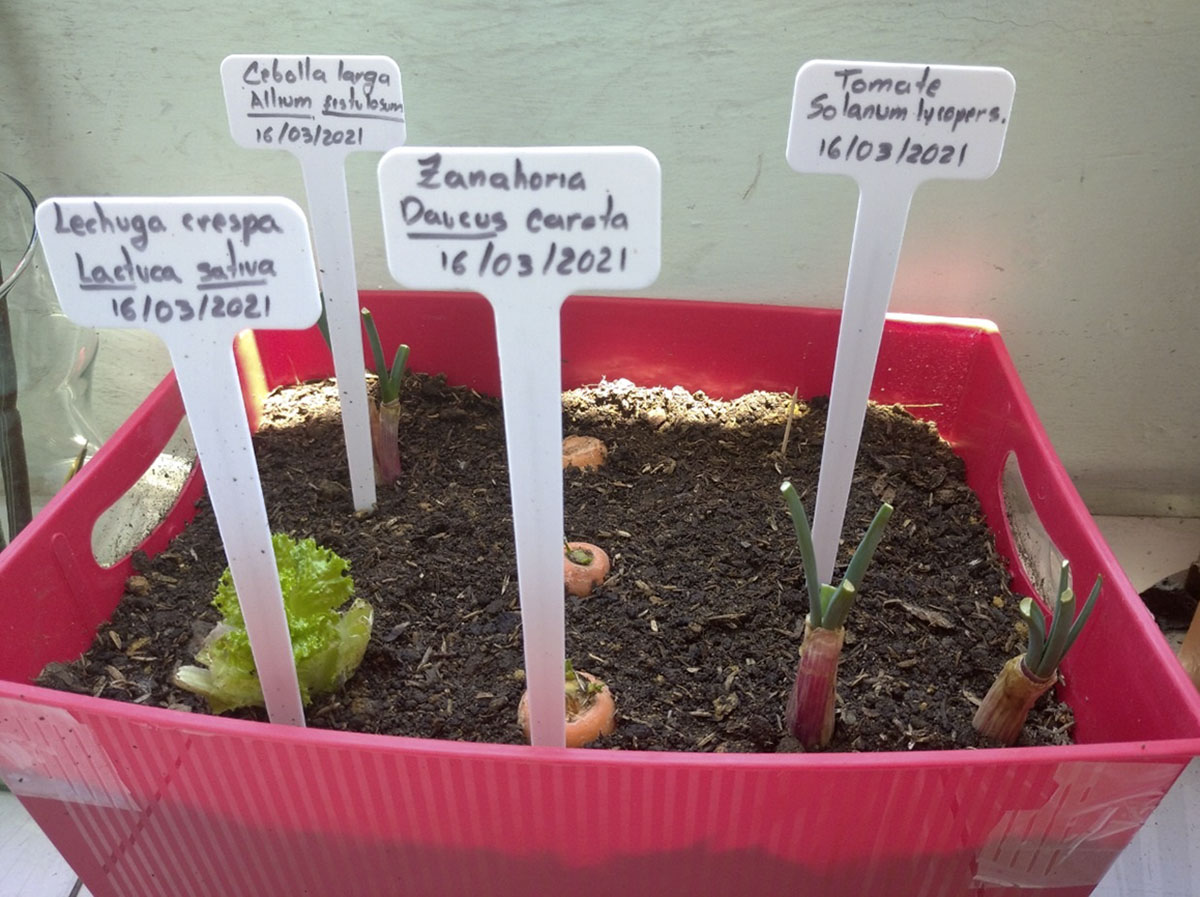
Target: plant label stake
{"x":890,"y":126}
{"x":196,"y":271}
{"x":321,"y":109}
{"x":527,"y":227}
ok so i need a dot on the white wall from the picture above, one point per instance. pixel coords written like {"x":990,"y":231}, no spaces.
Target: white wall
{"x":1083,"y":247}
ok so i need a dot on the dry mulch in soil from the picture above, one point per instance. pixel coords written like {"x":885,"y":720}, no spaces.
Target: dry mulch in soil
{"x":697,"y":629}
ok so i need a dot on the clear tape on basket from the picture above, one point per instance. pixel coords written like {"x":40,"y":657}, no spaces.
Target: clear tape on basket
{"x":1092,"y":806}
{"x":46,"y":752}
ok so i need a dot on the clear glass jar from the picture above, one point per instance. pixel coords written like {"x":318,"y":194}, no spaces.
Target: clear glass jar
{"x":45,"y":370}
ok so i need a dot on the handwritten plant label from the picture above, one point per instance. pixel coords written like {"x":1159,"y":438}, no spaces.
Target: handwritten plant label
{"x":492,"y":218}
{"x":314,"y":102}
{"x":180,"y":264}
{"x":196,"y":271}
{"x":870,"y":119}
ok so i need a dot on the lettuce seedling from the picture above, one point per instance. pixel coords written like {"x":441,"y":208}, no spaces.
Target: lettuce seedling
{"x":1025,"y":678}
{"x":328,"y":644}
{"x":385,"y":414}
{"x":814,"y":693}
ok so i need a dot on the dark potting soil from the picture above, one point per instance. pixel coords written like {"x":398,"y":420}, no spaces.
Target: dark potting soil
{"x":696,"y":630}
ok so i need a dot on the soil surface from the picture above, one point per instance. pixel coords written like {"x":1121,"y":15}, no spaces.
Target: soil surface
{"x":696,"y":630}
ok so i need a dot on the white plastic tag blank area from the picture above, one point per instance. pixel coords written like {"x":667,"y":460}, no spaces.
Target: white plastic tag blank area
{"x":890,"y":126}
{"x":197,"y":271}
{"x":321,"y":108}
{"x":526,"y":227}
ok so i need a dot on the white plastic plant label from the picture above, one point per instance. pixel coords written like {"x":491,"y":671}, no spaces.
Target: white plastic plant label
{"x":197,"y":271}
{"x":890,"y":126}
{"x":545,"y":222}
{"x":190,"y":269}
{"x":899,"y":122}
{"x":317,"y":103}
{"x":526,"y":227}
{"x":321,"y":108}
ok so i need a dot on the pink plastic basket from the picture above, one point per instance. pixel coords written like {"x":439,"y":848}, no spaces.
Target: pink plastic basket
{"x":149,"y":802}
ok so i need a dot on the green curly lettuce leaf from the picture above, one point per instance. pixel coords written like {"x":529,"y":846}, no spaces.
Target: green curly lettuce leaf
{"x":328,"y":644}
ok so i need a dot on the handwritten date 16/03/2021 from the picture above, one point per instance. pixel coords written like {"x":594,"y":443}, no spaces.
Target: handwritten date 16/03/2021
{"x":910,"y":152}
{"x":210,"y":305}
{"x":308,"y":135}
{"x":560,"y":260}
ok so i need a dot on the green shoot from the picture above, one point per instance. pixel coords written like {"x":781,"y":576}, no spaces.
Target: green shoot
{"x":580,"y":556}
{"x":323,"y":324}
{"x":1048,"y":647}
{"x":808,"y":554}
{"x":829,"y":610}
{"x":77,"y":464}
{"x":577,"y":688}
{"x":389,"y":378}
